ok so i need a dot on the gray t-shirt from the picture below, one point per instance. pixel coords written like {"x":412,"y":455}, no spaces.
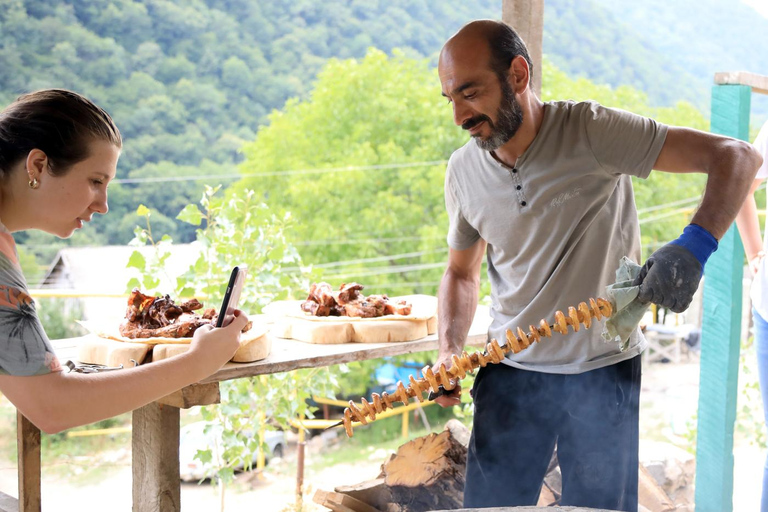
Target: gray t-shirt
{"x":556,"y":225}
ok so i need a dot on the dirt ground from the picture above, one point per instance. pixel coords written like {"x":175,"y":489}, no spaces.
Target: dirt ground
{"x":669,"y":402}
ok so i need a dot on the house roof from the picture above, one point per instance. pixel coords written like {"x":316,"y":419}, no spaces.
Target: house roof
{"x":104,"y":269}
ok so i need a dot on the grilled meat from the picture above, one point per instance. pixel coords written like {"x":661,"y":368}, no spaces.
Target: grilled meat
{"x":160,"y":317}
{"x":350,"y":301}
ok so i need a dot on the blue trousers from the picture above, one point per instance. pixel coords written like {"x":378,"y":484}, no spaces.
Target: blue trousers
{"x":761,"y":343}
{"x":520,"y":416}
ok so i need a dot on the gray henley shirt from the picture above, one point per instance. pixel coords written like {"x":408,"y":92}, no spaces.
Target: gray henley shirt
{"x":556,"y":224}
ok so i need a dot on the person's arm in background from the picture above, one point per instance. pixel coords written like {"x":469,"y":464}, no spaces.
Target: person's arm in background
{"x":746,"y":220}
{"x":671,"y":275}
{"x":61,"y":400}
{"x":457,"y":302}
{"x":749,"y":228}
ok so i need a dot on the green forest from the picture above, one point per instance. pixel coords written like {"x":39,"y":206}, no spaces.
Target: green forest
{"x":329,"y":111}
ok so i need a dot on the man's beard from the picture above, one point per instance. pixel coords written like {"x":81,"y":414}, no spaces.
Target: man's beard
{"x":509,"y":118}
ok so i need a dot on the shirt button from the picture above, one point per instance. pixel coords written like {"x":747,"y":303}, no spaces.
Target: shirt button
{"x":523,"y":203}
{"x":519,"y":187}
{"x":514,"y":170}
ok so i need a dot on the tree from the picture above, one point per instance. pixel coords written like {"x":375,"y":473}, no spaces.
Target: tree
{"x":360,"y":165}
{"x":364,"y":126}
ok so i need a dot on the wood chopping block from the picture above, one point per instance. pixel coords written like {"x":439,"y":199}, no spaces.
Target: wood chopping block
{"x":251,"y":349}
{"x":390,"y":330}
{"x":292,"y":322}
{"x":97,"y":350}
{"x":254,"y":349}
{"x":255,"y":345}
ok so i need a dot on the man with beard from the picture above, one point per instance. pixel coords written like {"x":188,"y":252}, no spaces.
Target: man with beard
{"x":543,"y":190}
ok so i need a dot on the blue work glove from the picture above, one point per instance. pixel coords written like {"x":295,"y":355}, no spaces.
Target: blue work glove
{"x":671,"y":275}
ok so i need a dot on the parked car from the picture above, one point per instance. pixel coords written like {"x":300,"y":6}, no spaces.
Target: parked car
{"x":193,"y":438}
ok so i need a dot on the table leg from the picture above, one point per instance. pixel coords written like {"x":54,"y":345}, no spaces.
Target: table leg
{"x":28,"y":446}
{"x":155,"y":459}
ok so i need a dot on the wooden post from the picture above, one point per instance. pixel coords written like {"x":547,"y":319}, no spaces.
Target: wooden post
{"x":721,"y":333}
{"x":155,"y":459}
{"x":300,"y":469}
{"x":527,"y":18}
{"x":28,"y":446}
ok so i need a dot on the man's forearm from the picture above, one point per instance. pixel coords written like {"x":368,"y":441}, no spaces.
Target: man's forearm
{"x":457,"y":302}
{"x":728,"y":184}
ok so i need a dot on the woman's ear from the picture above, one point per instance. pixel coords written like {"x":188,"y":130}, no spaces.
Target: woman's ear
{"x":36,"y":163}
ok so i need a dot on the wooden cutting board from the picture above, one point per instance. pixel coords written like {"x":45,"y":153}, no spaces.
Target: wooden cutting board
{"x":97,"y":349}
{"x":291,"y":322}
{"x":251,"y":350}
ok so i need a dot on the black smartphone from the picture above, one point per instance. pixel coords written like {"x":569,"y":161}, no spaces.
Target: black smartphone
{"x":231,"y":296}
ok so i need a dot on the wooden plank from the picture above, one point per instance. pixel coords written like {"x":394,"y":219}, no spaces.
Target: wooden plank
{"x":374,"y":492}
{"x":196,"y":394}
{"x":721,"y":333}
{"x":8,"y":503}
{"x":28,"y":447}
{"x":288,"y":355}
{"x":527,"y":18}
{"x":341,"y":502}
{"x":155,"y":459}
{"x":650,"y":493}
{"x":758,"y":83}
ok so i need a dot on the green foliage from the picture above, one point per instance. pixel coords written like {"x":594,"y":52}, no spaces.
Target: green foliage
{"x":239,"y":230}
{"x":188,"y":82}
{"x":59,"y":317}
{"x":385,"y":223}
{"x":381,"y":112}
{"x":148,"y":270}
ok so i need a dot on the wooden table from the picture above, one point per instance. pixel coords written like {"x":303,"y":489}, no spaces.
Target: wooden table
{"x":155,"y":433}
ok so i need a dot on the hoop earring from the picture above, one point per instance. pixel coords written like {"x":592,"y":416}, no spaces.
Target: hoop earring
{"x":34,"y":184}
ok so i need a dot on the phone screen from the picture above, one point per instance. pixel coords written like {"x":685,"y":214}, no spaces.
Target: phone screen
{"x":231,"y":296}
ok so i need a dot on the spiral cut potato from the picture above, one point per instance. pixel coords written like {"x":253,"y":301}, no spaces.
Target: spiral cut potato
{"x":461,"y":365}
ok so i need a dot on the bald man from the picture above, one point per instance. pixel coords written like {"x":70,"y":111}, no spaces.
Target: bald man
{"x":543,"y":191}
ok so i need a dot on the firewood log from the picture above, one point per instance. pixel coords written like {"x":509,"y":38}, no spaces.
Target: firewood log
{"x":427,"y":473}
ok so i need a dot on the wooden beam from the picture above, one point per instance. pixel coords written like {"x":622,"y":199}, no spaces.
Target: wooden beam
{"x":758,"y":83}
{"x":155,"y":459}
{"x":721,"y":333}
{"x":527,"y":18}
{"x":28,"y":447}
{"x":196,"y":394}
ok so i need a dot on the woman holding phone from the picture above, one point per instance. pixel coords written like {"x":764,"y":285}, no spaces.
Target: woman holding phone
{"x":58,"y":153}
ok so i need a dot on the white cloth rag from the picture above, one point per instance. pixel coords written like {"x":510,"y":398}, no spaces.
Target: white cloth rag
{"x":627,"y":310}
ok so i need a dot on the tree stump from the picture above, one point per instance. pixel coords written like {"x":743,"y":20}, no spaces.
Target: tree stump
{"x":427,"y":473}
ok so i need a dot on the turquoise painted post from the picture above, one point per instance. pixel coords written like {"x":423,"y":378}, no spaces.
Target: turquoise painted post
{"x":721,"y":333}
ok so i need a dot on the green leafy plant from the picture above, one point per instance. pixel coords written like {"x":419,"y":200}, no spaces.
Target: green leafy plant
{"x":148,"y":269}
{"x":239,"y":230}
